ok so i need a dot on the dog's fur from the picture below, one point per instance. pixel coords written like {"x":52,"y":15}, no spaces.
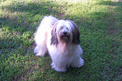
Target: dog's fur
{"x":61,"y":39}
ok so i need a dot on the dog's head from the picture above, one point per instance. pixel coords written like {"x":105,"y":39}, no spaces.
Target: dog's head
{"x":65,"y":31}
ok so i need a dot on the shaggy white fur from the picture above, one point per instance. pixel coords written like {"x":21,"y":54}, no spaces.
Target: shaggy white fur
{"x":61,"y":39}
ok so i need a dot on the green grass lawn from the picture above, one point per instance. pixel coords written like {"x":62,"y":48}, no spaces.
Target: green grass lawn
{"x":100,"y":24}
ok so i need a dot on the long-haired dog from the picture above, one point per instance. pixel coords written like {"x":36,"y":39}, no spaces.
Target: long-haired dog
{"x":60,"y":38}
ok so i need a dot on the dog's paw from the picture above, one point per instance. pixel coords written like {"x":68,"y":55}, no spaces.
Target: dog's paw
{"x":77,"y":63}
{"x":40,"y":52}
{"x":81,"y":63}
{"x":41,"y":55}
{"x":52,"y":65}
{"x":60,"y":69}
{"x":57,"y":68}
{"x":36,"y":50}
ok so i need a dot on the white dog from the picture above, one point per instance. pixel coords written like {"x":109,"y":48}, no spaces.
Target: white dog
{"x":61,"y":39}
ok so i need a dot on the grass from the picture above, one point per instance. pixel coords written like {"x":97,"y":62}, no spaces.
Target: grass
{"x":100,"y":24}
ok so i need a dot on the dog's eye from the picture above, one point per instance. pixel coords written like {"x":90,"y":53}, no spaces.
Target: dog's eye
{"x":55,"y":29}
{"x":61,"y":27}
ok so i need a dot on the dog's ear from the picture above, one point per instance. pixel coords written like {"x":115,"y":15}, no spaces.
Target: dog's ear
{"x":76,"y":34}
{"x":54,"y":39}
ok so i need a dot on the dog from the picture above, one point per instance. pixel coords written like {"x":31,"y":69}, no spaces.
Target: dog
{"x":60,"y":38}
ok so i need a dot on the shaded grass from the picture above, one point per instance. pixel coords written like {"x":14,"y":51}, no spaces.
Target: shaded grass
{"x":99,"y":22}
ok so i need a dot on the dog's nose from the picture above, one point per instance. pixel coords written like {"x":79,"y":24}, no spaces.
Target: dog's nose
{"x":65,"y":33}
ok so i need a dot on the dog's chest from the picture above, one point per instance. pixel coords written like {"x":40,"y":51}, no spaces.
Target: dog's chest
{"x":66,"y":50}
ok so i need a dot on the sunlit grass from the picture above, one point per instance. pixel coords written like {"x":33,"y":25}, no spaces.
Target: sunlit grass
{"x":99,"y":22}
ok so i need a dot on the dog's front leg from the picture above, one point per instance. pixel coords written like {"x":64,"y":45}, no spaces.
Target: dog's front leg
{"x":59,"y":67}
{"x":77,"y":62}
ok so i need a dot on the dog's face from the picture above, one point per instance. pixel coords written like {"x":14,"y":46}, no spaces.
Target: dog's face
{"x":65,"y":31}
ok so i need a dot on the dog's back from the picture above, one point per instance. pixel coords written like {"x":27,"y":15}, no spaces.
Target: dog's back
{"x":44,"y":26}
{"x":47,"y":21}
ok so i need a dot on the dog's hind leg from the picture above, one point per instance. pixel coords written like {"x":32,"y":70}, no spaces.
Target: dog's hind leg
{"x":40,"y":40}
{"x":40,"y":50}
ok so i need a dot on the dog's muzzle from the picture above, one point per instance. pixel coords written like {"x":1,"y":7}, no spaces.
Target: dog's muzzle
{"x":64,"y":33}
{"x":65,"y":36}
